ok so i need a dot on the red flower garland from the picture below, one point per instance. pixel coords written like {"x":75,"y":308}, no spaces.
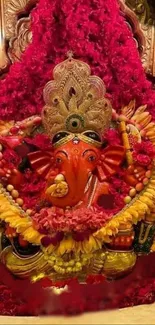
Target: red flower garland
{"x":11,"y":158}
{"x":31,"y":188}
{"x":97,"y":33}
{"x":41,"y":141}
{"x":143,"y":153}
{"x":112,"y":137}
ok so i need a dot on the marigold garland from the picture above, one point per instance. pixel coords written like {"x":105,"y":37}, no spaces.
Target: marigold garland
{"x":23,"y":225}
{"x":133,"y":213}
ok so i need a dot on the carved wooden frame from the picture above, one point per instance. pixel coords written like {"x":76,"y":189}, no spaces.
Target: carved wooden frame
{"x":9,"y":27}
{"x":134,"y":24}
{"x":148,"y":39}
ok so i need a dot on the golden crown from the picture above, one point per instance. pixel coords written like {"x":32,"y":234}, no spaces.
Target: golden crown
{"x":75,"y":100}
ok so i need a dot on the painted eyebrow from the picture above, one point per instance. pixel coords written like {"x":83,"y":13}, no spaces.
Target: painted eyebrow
{"x":88,"y":150}
{"x":64,"y":153}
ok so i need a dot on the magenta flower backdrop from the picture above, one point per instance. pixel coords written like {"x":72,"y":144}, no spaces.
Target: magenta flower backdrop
{"x":96,"y":32}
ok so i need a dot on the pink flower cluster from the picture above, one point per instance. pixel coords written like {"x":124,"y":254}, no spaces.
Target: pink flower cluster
{"x":40,"y":141}
{"x":56,"y":219}
{"x":112,"y":137}
{"x":143,"y":153}
{"x":119,"y":189}
{"x":31,"y":189}
{"x":11,"y":157}
{"x":97,"y":33}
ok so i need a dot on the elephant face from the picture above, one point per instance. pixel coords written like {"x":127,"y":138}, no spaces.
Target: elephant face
{"x":69,"y":167}
{"x":76,"y":161}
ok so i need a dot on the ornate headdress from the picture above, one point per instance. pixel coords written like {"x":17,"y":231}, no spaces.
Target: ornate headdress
{"x":75,"y":100}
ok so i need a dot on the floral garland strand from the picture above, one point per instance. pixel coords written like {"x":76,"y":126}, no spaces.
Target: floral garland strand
{"x":97,"y":33}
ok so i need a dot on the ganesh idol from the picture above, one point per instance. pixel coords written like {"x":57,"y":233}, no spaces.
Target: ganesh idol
{"x":77,"y":192}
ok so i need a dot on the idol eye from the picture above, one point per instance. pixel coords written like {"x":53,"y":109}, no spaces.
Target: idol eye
{"x":58,"y":160}
{"x":91,"y":158}
{"x":59,"y":136}
{"x":92,"y":135}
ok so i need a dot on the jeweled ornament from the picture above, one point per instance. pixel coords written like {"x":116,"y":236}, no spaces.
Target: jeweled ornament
{"x":77,"y":183}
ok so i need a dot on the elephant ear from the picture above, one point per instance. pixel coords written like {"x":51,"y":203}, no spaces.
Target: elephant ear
{"x":110,"y":159}
{"x":41,"y":162}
